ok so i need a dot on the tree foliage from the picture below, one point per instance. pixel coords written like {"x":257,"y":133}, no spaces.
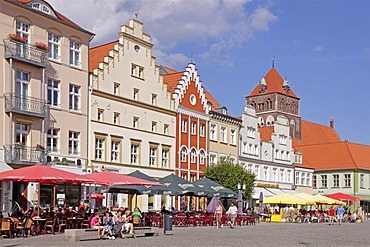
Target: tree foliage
{"x":229,"y":175}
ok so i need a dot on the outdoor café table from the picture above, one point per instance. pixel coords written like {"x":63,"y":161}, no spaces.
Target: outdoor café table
{"x":38,"y":223}
{"x":74,"y":222}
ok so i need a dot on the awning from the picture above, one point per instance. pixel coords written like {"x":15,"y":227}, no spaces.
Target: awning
{"x":275,"y":191}
{"x":293,"y":192}
{"x":258,"y":190}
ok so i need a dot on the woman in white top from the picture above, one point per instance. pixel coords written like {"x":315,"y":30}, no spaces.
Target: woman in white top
{"x":233,"y":212}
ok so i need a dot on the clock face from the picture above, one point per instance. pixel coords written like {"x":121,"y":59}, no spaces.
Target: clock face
{"x":193,"y":99}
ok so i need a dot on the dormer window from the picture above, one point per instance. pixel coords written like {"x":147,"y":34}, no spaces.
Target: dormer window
{"x":41,"y":7}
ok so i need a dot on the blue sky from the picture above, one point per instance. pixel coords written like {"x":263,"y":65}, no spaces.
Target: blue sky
{"x":322,"y":47}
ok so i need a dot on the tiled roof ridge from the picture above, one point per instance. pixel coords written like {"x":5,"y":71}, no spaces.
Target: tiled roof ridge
{"x":108,"y":43}
{"x":318,"y":144}
{"x":96,"y":57}
{"x":325,"y":126}
{"x":350,"y":154}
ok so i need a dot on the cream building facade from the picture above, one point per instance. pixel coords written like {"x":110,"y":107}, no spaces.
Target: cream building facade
{"x":132,"y":125}
{"x":44,"y":114}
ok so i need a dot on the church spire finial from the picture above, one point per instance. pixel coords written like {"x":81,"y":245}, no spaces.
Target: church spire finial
{"x":273,"y":61}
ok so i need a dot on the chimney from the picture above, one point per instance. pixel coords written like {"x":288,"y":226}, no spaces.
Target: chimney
{"x":332,"y":123}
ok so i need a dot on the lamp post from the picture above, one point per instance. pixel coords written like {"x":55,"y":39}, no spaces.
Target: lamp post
{"x":240,"y":197}
{"x":84,"y":172}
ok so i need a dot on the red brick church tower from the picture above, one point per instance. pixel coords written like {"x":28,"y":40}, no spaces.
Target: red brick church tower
{"x":272,"y":97}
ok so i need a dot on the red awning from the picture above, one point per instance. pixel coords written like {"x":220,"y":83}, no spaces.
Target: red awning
{"x":113,"y":178}
{"x":343,"y":197}
{"x":95,"y":195}
{"x":44,"y":175}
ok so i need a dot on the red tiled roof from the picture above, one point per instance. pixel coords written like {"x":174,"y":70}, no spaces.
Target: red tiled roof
{"x":97,"y":54}
{"x":169,"y":70}
{"x":274,"y":84}
{"x":313,"y":133}
{"x":336,"y":156}
{"x":172,"y":80}
{"x":266,"y":132}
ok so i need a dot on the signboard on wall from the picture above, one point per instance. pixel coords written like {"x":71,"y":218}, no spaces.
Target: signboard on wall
{"x":144,"y":203}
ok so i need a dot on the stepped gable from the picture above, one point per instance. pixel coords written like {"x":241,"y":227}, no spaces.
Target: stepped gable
{"x":313,"y":133}
{"x":274,"y":83}
{"x":266,"y":133}
{"x":336,"y":156}
{"x":97,"y":54}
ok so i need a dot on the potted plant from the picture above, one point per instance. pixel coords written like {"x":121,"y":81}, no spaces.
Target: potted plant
{"x":19,"y":145}
{"x":41,"y":46}
{"x":17,"y":37}
{"x":40,"y":147}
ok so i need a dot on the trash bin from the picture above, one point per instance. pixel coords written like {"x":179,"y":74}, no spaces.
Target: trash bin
{"x":167,"y":223}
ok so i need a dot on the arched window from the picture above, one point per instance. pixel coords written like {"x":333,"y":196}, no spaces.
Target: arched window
{"x":193,"y":155}
{"x":184,"y":154}
{"x":202,"y":157}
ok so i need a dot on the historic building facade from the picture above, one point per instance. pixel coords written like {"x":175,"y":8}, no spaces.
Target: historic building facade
{"x":44,"y":114}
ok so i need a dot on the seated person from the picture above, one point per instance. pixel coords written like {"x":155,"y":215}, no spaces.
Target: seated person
{"x":136,"y":216}
{"x":127,"y":226}
{"x":108,"y":224}
{"x":95,"y":224}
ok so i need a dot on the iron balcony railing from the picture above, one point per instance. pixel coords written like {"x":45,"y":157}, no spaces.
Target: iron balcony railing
{"x":20,"y":154}
{"x":25,"y":105}
{"x":25,"y":52}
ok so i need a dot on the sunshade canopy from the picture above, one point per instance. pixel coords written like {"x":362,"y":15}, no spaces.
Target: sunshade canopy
{"x":211,"y":188}
{"x":139,"y":174}
{"x":179,"y":186}
{"x":326,"y":200}
{"x":113,"y":178}
{"x":343,"y":197}
{"x":284,"y":199}
{"x":44,"y":175}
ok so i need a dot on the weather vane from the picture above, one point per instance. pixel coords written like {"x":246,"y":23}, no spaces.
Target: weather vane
{"x":137,"y":15}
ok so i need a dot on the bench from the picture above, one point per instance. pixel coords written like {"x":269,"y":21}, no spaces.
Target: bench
{"x":143,"y":231}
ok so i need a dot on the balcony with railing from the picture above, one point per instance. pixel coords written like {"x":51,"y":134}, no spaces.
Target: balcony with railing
{"x":25,"y":52}
{"x":24,"y":155}
{"x":25,"y":105}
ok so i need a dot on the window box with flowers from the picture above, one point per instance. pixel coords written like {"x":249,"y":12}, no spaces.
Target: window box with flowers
{"x":40,"y":147}
{"x":19,"y":145}
{"x":41,"y":46}
{"x":17,"y":37}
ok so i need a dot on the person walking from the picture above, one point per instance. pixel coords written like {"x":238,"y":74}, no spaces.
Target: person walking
{"x":340,"y":212}
{"x":218,"y":215}
{"x":232,"y":212}
{"x":331,"y":215}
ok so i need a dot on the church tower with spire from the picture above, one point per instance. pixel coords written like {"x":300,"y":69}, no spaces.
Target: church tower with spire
{"x":273,"y":97}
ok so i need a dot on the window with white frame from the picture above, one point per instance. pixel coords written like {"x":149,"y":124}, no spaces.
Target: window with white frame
{"x":289,"y":176}
{"x":100,"y":117}
{"x":212,"y":158}
{"x":257,"y":171}
{"x":212,"y":132}
{"x":298,"y":158}
{"x":115,"y":151}
{"x":116,"y":88}
{"x":74,"y":53}
{"x":165,"y":129}
{"x":154,"y":126}
{"x":347,"y":180}
{"x":137,"y":71}
{"x":134,"y":153}
{"x":250,"y":167}
{"x":99,"y":148}
{"x":362,"y":179}
{"x":193,"y":155}
{"x":183,"y":153}
{"x":201,"y":130}
{"x":154,"y":99}
{"x":277,"y":154}
{"x":135,"y":95}
{"x":233,"y":136}
{"x":183,"y":125}
{"x":183,"y":176}
{"x":192,"y":177}
{"x":274,"y":174}
{"x":297,"y":177}
{"x":53,"y":46}
{"x":283,"y":139}
{"x":74,"y":142}
{"x":193,"y":128}
{"x":116,"y":118}
{"x":324,"y":181}
{"x":153,"y":156}
{"x":53,"y":140}
{"x":314,"y":181}
{"x":141,"y":72}
{"x":133,"y":70}
{"x":265,"y":173}
{"x":336,"y":180}
{"x":282,"y":175}
{"x":202,"y":157}
{"x":74,"y":97}
{"x":288,"y":156}
{"x":22,"y":29}
{"x":251,"y":132}
{"x":22,"y":131}
{"x":223,"y":134}
{"x":21,"y":88}
{"x":135,"y":122}
{"x":308,"y":179}
{"x":53,"y":92}
{"x":165,"y":153}
{"x":303,"y":178}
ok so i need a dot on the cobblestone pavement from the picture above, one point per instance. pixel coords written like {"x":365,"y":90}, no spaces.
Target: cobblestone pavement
{"x":263,"y":234}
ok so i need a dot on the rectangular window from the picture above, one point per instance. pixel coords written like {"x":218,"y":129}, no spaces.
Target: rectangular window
{"x":192,"y":177}
{"x":183,"y":176}
{"x":201,"y":130}
{"x":257,"y":171}
{"x":141,"y":72}
{"x":100,"y":115}
{"x":212,"y":132}
{"x":202,"y":157}
{"x":233,"y":136}
{"x":154,"y":126}
{"x":265,"y":173}
{"x":74,"y":53}
{"x":165,"y":129}
{"x":212,"y":159}
{"x":22,"y":131}
{"x":137,"y":71}
{"x":133,"y":70}
{"x":335,"y":180}
{"x":153,"y":156}
{"x":193,"y":128}
{"x":303,"y":178}
{"x":165,"y":153}
{"x":135,"y":153}
{"x":362,"y":179}
{"x":314,"y":182}
{"x":53,"y":92}
{"x":283,"y":139}
{"x":53,"y":46}
{"x":116,"y":118}
{"x":115,"y":151}
{"x":282,"y":175}
{"x":289,"y":176}
{"x":73,"y":142}
{"x":223,"y":134}
{"x":21,"y":89}
{"x":274,"y":174}
{"x":193,"y":155}
{"x":250,"y":168}
{"x":183,"y":125}
{"x":74,"y":97}
{"x":116,"y":88}
{"x":135,"y":95}
{"x":53,"y":140}
{"x":99,"y":149}
{"x":251,"y":132}
{"x":22,"y":29}
{"x":135,"y":123}
{"x":154,"y":99}
{"x":347,"y":180}
{"x":324,"y":181}
{"x":297,"y":175}
{"x":183,"y":154}
{"x":308,"y":182}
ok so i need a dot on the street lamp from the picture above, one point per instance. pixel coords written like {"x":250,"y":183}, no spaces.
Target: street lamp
{"x":84,"y":172}
{"x":240,"y":197}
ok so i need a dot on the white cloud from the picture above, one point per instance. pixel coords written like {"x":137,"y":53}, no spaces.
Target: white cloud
{"x":213,"y":25}
{"x":318,"y":48}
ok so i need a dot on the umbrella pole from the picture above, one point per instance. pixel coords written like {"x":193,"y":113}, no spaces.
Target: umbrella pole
{"x":38,"y":199}
{"x":106,"y":196}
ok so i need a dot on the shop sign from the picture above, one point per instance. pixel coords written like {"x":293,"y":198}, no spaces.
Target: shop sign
{"x":274,"y":186}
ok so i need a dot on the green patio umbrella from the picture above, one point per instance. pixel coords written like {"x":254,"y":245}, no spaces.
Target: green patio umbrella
{"x":211,"y":188}
{"x":179,"y":186}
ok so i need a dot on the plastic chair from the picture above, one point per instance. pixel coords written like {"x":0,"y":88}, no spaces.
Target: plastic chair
{"x":6,"y":227}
